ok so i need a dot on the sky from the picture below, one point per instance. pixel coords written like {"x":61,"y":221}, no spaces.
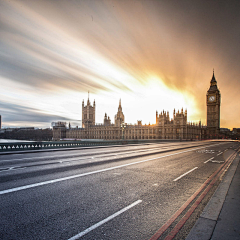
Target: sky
{"x":154,"y":55}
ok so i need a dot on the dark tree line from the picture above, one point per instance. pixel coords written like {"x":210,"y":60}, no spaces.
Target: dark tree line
{"x":27,"y":134}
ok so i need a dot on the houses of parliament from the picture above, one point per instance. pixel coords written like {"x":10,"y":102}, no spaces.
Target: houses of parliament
{"x":165,"y":128}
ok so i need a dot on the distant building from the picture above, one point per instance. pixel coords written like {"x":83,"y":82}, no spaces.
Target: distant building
{"x":176,"y":128}
{"x":213,"y":99}
{"x":59,"y":130}
{"x":107,"y":120}
{"x":88,"y":114}
{"x":165,"y":128}
{"x":236,"y":133}
{"x":27,"y":133}
{"x":225,"y":133}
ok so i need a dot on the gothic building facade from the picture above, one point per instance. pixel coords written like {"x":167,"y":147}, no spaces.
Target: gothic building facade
{"x":165,"y":128}
{"x":88,"y":114}
{"x":213,"y":99}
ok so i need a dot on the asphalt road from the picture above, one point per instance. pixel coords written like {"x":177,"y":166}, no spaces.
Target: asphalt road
{"x":118,"y":192}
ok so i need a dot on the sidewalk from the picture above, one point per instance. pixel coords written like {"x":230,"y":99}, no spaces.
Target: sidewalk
{"x":220,"y":220}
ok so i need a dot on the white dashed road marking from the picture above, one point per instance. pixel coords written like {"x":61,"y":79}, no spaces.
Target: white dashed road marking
{"x":185,"y":174}
{"x":104,"y":221}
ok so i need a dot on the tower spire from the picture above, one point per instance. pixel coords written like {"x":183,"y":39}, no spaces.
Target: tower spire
{"x":120,"y":106}
{"x":213,"y":80}
{"x":88,"y":102}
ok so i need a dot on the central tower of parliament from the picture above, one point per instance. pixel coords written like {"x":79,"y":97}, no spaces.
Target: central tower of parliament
{"x":165,"y":128}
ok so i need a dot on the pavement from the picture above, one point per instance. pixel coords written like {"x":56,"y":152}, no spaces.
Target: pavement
{"x":220,"y":220}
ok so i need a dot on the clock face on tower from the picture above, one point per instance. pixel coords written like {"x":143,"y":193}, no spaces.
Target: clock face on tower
{"x":211,"y":98}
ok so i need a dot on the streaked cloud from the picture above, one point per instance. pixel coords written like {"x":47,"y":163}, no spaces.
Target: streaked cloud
{"x":25,"y":116}
{"x":56,"y":51}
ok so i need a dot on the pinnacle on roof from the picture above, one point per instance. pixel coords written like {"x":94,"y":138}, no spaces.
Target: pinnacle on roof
{"x":88,"y":102}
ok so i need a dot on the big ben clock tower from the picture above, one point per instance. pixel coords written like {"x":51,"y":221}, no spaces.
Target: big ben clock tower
{"x":213,"y":98}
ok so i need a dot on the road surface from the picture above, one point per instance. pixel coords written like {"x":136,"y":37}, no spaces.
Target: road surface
{"x":113,"y":192}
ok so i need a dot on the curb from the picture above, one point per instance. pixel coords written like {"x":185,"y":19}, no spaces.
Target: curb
{"x":205,"y":225}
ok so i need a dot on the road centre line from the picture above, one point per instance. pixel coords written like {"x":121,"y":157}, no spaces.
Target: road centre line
{"x":104,"y":221}
{"x":185,"y":174}
{"x":88,"y":173}
{"x":217,"y":161}
{"x":209,"y":160}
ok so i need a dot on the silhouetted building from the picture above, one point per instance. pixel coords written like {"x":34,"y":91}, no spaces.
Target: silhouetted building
{"x":236,"y":133}
{"x":213,"y":99}
{"x":27,"y":133}
{"x":88,"y":114}
{"x":107,"y":120}
{"x":165,"y":128}
{"x":59,"y":130}
{"x":176,"y":128}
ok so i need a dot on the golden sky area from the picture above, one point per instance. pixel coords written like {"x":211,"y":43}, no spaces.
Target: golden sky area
{"x":154,"y":55}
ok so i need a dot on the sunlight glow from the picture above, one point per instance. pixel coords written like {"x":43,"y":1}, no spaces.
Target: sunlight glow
{"x":52,"y":56}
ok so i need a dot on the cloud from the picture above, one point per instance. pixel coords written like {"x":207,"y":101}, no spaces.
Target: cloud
{"x":117,"y":46}
{"x":14,"y":112}
{"x":34,"y":53}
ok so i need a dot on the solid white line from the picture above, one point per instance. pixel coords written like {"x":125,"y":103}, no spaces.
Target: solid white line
{"x":209,"y":160}
{"x":184,"y":174}
{"x":219,"y":153}
{"x":88,"y":173}
{"x":104,"y":221}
